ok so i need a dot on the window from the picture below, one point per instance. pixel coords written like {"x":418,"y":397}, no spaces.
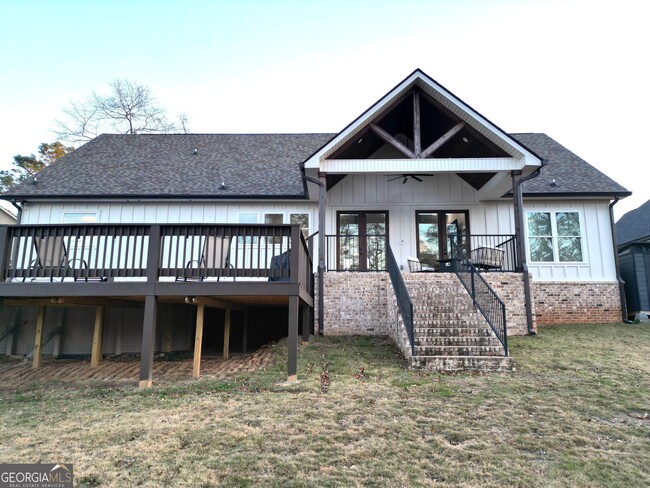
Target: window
{"x":247,"y":218}
{"x":274,"y":219}
{"x":303,"y":220}
{"x":555,"y":237}
{"x":80,"y":218}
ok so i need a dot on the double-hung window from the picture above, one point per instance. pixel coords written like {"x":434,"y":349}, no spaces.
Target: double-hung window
{"x":555,"y":237}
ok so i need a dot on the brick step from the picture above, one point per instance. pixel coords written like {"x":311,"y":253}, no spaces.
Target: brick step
{"x":461,"y":308}
{"x":457,"y":341}
{"x":458,"y":350}
{"x":452,"y":332}
{"x":462,"y":363}
{"x":422,"y":315}
{"x":446,"y":323}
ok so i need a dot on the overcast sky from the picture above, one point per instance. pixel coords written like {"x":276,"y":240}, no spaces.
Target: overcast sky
{"x":576,"y":70}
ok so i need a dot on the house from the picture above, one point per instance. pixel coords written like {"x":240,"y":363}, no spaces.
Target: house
{"x":633,"y":236}
{"x":130,"y":242}
{"x":6,"y":217}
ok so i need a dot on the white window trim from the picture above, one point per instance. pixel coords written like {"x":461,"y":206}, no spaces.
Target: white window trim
{"x":554,"y":238}
{"x":97,"y":215}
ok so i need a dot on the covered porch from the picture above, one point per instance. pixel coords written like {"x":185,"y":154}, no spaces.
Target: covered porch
{"x":235,"y":268}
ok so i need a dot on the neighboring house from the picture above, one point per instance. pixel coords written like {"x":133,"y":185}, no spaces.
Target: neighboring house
{"x":633,"y":236}
{"x":6,"y":217}
{"x":419,"y":181}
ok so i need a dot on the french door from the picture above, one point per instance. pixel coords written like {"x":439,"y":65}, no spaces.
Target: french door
{"x":437,"y":232}
{"x":361,"y":240}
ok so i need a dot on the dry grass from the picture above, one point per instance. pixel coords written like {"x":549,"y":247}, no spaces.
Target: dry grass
{"x":571,"y":415}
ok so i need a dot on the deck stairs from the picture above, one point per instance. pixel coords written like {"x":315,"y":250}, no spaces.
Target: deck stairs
{"x":450,"y":334}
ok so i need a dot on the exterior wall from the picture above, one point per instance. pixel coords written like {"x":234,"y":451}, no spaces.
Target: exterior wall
{"x":122,"y":332}
{"x":356,"y":303}
{"x":574,"y":302}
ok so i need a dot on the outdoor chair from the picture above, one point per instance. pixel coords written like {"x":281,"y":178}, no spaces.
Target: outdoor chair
{"x":487,"y":258}
{"x":214,"y":255}
{"x":415,"y":266}
{"x":52,"y":255}
{"x":280,"y":265}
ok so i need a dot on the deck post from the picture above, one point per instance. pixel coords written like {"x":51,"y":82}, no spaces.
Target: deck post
{"x":97,"y":337}
{"x":57,"y":341}
{"x":245,"y":333}
{"x":198,"y":341}
{"x":148,"y":340}
{"x":306,"y":319}
{"x":38,"y":339}
{"x":226,"y":334}
{"x":292,"y":339}
{"x":11,"y":338}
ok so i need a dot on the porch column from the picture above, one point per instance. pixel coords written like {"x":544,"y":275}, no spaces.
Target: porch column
{"x":198,"y":341}
{"x":38,"y":339}
{"x":292,"y":340}
{"x":226,"y":334}
{"x":97,"y":337}
{"x":13,"y":333}
{"x":518,"y":203}
{"x":148,"y":340}
{"x":306,"y":324}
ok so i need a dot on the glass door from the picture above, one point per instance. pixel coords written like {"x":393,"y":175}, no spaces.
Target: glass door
{"x":439,"y":233}
{"x":361,"y":241}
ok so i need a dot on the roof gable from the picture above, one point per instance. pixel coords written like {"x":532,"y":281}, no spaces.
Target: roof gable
{"x":634,"y":225}
{"x":442,"y":100}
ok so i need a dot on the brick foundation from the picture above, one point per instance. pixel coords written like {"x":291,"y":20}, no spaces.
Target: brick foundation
{"x":510,"y":289}
{"x":558,"y":302}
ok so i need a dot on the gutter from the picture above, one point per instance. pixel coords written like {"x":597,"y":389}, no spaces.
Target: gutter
{"x":20,"y":210}
{"x":521,"y":244}
{"x":321,"y":250}
{"x":619,"y":278}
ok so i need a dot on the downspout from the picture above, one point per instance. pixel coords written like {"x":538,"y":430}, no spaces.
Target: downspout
{"x":20,"y":210}
{"x":619,"y":278}
{"x":321,"y":249}
{"x":517,"y":181}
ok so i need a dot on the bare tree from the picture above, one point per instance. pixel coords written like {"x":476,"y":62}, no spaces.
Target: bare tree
{"x":129,"y":108}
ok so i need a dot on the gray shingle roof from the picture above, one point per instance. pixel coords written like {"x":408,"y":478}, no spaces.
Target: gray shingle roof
{"x":250,"y":165}
{"x":148,"y":165}
{"x":634,"y":225}
{"x":572,"y":174}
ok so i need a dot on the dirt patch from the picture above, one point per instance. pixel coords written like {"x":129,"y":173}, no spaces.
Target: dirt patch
{"x":17,"y":372}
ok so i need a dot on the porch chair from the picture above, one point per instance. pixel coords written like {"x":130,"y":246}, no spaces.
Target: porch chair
{"x":487,"y":258}
{"x":415,"y":266}
{"x":214,"y":255}
{"x":51,"y":254}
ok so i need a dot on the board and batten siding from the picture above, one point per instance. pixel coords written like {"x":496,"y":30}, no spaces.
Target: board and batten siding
{"x":164,"y":213}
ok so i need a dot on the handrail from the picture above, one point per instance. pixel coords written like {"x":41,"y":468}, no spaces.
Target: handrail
{"x":484,"y":298}
{"x":404,"y":301}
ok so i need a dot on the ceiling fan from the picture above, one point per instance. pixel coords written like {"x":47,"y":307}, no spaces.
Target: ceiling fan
{"x":407,"y":176}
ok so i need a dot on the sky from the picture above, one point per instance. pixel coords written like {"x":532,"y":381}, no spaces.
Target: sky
{"x":575,"y":70}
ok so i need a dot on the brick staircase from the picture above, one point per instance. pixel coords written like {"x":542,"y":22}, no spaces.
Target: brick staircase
{"x":450,"y":334}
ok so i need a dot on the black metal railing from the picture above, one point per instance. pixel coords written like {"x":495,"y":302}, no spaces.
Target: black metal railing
{"x":491,"y":252}
{"x":184,"y":251}
{"x":404,"y":302}
{"x":356,"y":252}
{"x":483,"y":296}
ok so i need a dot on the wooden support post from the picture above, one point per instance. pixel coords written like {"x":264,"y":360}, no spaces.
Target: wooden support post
{"x":306,"y":319}
{"x":148,"y":340}
{"x":226,"y":334}
{"x":292,"y":339}
{"x":198,"y":341}
{"x":417,"y":140}
{"x":38,"y":340}
{"x":57,"y":341}
{"x":245,"y":334}
{"x":11,"y":338}
{"x":96,"y":356}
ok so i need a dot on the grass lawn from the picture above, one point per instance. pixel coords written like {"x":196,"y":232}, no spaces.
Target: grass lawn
{"x":575,"y":413}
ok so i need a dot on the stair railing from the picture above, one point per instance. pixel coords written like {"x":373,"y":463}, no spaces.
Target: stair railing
{"x":483,"y":296}
{"x":404,"y":302}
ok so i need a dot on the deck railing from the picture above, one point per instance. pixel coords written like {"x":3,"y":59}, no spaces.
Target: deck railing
{"x":404,"y":302}
{"x":183,"y":251}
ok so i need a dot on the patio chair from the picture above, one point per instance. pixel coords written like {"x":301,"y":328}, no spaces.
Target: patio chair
{"x":52,"y":255}
{"x":415,"y":266}
{"x":487,"y":258}
{"x":214,"y":255}
{"x":280,"y":264}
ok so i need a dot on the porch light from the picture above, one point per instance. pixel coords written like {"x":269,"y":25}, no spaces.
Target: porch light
{"x":465,"y":139}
